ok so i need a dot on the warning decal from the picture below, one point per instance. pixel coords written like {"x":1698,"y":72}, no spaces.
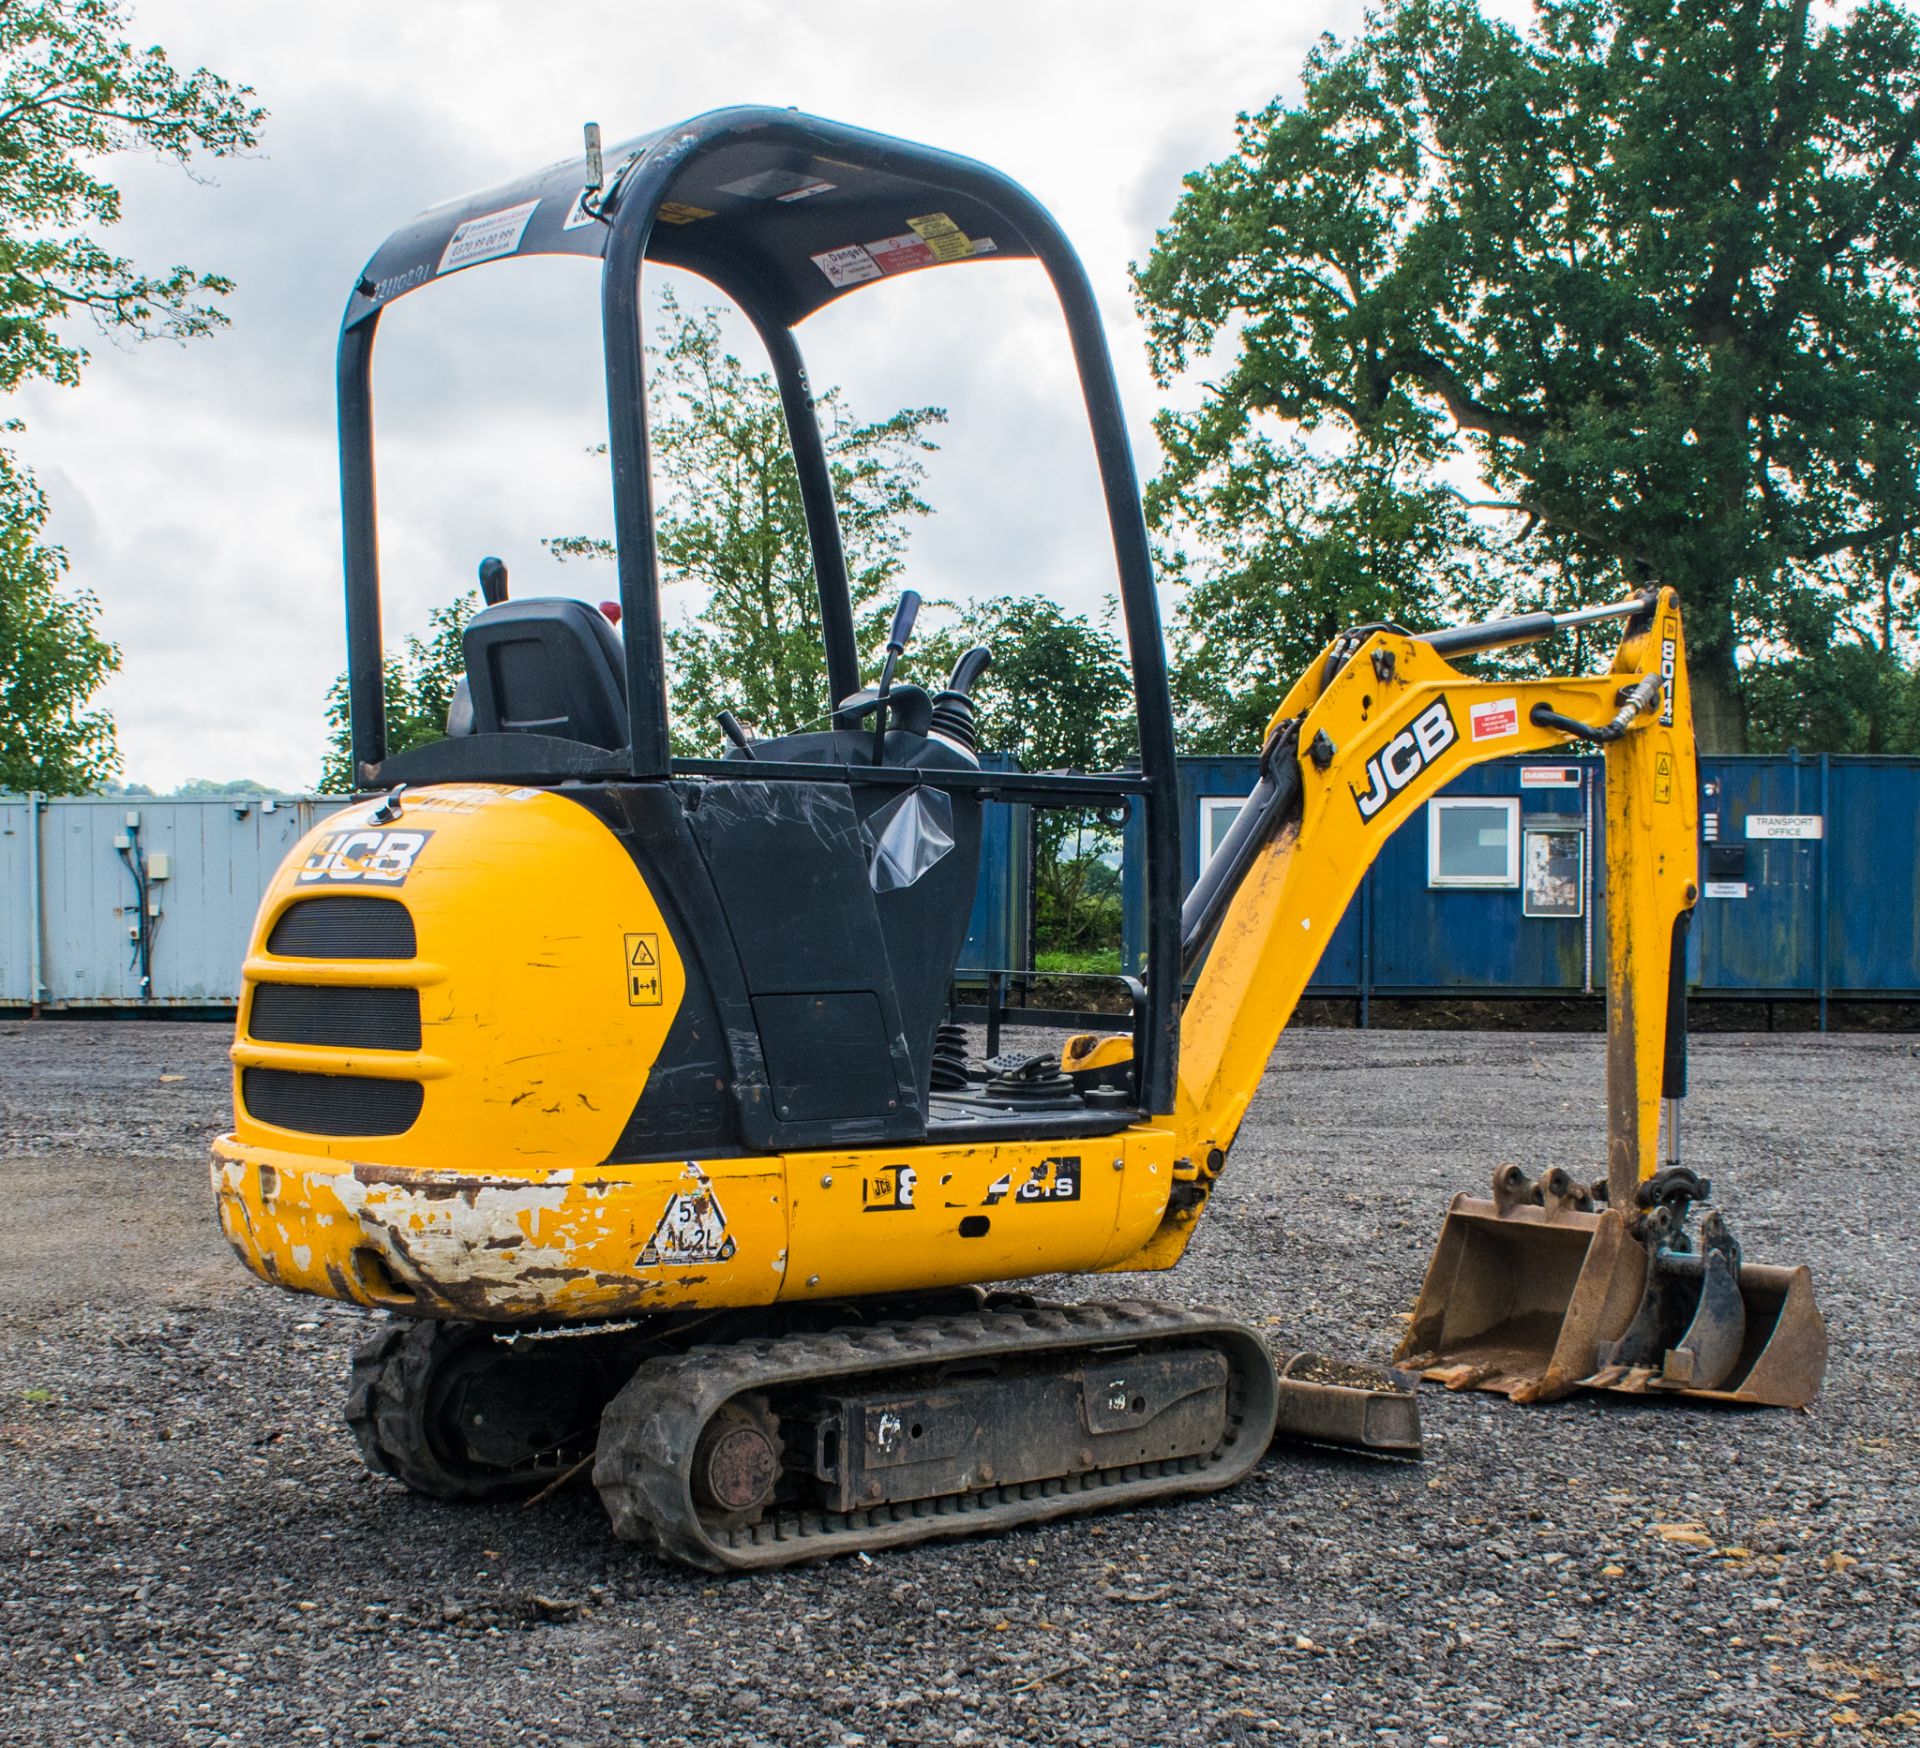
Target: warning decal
{"x":900,"y":254}
{"x":849,"y":266}
{"x":482,"y":238}
{"x":693,"y":1229}
{"x":643,"y":971}
{"x":929,"y":240}
{"x":1663,"y":776}
{"x":945,"y":238}
{"x":1495,"y":719}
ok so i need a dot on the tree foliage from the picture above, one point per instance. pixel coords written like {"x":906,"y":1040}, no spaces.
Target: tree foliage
{"x":732,"y":531}
{"x":1059,"y":696}
{"x":1279,"y":547}
{"x":73,"y":91}
{"x":418,"y":684}
{"x":52,"y":660}
{"x":1651,"y":265}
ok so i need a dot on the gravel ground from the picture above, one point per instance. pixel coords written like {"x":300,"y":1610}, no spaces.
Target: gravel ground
{"x":190,"y":1553}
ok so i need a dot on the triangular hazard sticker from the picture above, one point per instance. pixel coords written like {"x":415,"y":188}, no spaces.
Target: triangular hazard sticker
{"x":643,"y":953}
{"x":693,"y":1229}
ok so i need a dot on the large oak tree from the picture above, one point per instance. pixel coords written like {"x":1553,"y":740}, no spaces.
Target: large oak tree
{"x":1651,"y":265}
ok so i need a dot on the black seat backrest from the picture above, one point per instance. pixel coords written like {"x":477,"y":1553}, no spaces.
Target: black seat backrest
{"x":551,"y":666}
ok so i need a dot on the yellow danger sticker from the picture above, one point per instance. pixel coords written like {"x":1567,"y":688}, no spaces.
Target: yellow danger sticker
{"x":1663,"y":776}
{"x":940,"y":234}
{"x":677,"y":212}
{"x":643,"y":971}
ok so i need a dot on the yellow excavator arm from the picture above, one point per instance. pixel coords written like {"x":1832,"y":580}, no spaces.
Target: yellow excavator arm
{"x":1550,"y":1284}
{"x":1380,"y":723}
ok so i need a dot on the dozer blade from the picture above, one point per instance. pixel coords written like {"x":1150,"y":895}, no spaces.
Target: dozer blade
{"x":1537,"y":1298}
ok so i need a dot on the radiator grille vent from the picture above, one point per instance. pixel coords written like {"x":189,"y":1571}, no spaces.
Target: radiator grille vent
{"x":330,"y":1104}
{"x":353,"y":1019}
{"x":344,"y":928}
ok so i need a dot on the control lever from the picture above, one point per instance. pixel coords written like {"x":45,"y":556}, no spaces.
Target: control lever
{"x":968,"y":669}
{"x":897,"y":638}
{"x":730,"y":727}
{"x":493,"y":580}
{"x":954,"y":720}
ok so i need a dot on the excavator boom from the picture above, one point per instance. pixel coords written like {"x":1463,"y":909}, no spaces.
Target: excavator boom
{"x":1542,"y":1287}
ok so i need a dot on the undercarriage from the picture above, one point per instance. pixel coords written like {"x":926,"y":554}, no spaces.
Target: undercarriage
{"x":743,"y":1441}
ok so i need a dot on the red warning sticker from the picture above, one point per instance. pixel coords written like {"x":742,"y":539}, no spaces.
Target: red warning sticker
{"x":1495,"y":719}
{"x":897,"y":254}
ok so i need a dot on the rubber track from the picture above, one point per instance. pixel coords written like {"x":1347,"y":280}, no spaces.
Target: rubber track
{"x":386,"y":1399}
{"x":649,"y":1430}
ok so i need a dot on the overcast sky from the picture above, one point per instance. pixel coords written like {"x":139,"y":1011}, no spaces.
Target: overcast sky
{"x":196,"y":489}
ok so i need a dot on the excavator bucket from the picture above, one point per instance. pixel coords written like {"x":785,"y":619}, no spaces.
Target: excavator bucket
{"x":1538,"y":1291}
{"x":1553,"y":1286}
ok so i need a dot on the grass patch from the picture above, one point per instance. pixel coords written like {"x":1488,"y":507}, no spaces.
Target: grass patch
{"x":1099,"y":962}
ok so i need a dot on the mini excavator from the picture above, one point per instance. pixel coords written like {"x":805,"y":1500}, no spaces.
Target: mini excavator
{"x":621,"y":1080}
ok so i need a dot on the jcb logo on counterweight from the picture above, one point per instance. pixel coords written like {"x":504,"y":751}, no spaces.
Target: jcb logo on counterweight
{"x":1404,"y":757}
{"x":372,"y":858}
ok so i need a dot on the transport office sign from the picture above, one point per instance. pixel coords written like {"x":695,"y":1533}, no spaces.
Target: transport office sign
{"x":1779,"y":827}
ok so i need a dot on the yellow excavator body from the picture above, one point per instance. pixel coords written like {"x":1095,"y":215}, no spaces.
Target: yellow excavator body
{"x":620,"y":1079}
{"x":537,"y":1025}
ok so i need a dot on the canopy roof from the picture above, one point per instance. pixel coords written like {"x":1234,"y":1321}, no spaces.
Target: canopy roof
{"x":783,"y":212}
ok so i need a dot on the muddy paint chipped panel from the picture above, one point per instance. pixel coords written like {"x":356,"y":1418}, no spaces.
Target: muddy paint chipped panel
{"x":568,"y":1244}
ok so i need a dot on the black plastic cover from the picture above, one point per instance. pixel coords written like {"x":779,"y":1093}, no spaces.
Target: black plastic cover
{"x":756,"y":216}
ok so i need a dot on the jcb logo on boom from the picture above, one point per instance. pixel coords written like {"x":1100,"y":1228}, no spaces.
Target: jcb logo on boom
{"x":1404,"y":757}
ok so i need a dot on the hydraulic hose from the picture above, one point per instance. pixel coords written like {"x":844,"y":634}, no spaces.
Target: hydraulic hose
{"x":1275,"y":799}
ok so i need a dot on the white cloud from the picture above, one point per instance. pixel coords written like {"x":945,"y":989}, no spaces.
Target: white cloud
{"x":196,"y":486}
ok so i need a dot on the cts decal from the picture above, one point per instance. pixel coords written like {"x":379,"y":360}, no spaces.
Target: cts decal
{"x":366,"y":857}
{"x":1666,"y":681}
{"x":1404,"y":757}
{"x":1051,"y":1180}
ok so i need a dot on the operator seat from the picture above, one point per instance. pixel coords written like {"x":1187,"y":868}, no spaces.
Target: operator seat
{"x":551,"y":666}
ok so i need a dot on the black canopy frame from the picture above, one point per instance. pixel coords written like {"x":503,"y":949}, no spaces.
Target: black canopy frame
{"x":799,"y":188}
